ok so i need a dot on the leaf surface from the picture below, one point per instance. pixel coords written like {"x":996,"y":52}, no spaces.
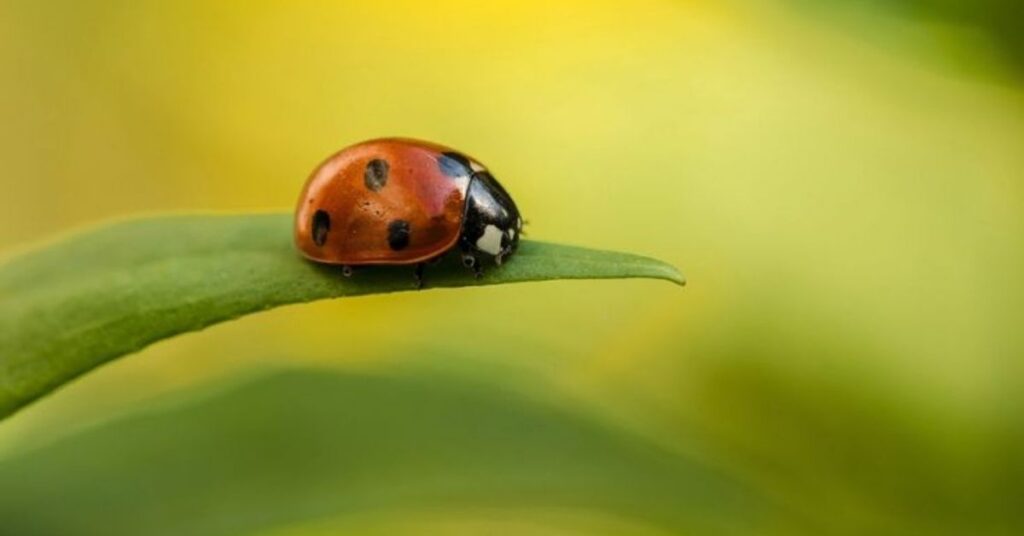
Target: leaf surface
{"x":83,"y":300}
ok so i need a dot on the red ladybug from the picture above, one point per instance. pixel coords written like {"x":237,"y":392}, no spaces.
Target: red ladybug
{"x":403,"y":201}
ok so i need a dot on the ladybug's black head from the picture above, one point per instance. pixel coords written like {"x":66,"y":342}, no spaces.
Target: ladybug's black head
{"x":492,"y":225}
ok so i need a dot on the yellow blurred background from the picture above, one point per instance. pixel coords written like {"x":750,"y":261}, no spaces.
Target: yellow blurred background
{"x":840,"y":181}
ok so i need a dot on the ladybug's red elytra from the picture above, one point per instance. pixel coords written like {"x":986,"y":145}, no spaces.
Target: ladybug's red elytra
{"x":404,"y":201}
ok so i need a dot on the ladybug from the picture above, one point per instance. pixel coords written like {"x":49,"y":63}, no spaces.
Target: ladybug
{"x":406,"y":202}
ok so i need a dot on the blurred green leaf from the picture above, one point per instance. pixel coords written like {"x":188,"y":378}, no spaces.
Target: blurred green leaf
{"x":305,"y":447}
{"x":91,"y":297}
{"x":1003,"y":20}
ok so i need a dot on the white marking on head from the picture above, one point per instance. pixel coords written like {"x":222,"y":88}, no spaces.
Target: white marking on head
{"x":476,"y":166}
{"x":511,"y":234}
{"x":490,"y":242}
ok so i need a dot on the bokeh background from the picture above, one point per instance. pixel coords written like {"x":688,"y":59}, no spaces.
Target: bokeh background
{"x":841,"y":182}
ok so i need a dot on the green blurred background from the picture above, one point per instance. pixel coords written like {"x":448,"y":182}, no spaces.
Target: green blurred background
{"x":841,"y":182}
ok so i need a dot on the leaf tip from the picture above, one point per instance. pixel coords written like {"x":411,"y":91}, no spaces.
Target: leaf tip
{"x":673,"y":275}
{"x":660,"y":269}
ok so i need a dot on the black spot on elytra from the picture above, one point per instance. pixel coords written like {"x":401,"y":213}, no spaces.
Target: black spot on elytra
{"x":376,"y":174}
{"x":454,"y":165}
{"x":398,"y":234}
{"x":321,"y":226}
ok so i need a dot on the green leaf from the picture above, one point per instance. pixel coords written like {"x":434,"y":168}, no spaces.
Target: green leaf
{"x":306,"y":447}
{"x":91,"y":297}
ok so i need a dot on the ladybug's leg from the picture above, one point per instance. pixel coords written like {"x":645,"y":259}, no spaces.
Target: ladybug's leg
{"x":422,"y":267}
{"x":418,"y":274}
{"x":472,"y":261}
{"x":346,"y":270}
